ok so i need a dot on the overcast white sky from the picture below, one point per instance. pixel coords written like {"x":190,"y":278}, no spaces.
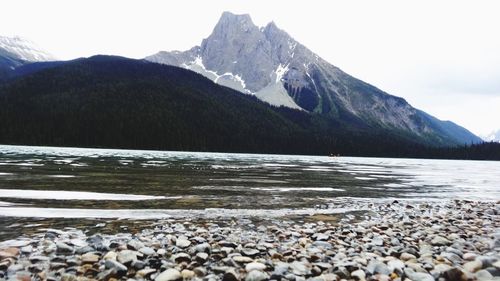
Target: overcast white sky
{"x":442,"y":56}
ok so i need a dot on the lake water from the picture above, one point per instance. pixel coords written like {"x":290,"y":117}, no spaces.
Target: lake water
{"x":49,"y":182}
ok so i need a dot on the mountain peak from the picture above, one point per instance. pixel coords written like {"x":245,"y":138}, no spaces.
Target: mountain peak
{"x":271,"y":26}
{"x":228,"y":16}
{"x":277,"y":69}
{"x":234,"y":22}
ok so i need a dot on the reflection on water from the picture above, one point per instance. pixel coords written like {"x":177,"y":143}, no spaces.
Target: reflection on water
{"x":74,"y":182}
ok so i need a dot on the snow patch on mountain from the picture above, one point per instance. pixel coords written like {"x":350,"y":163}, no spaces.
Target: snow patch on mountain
{"x":280,"y":72}
{"x":306,"y":67}
{"x":228,"y":79}
{"x":24,"y":49}
{"x":493,"y":136}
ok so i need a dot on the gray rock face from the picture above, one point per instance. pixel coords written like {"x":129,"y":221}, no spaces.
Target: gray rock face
{"x":279,"y":70}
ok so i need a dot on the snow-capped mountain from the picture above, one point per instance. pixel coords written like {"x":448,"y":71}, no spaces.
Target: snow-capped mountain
{"x":493,"y":136}
{"x":24,"y":50}
{"x":15,"y":52}
{"x":270,"y":64}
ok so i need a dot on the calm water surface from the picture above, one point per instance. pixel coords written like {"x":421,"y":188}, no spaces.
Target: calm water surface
{"x":49,"y":182}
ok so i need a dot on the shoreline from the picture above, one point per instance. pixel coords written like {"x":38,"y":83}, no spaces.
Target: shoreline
{"x":398,"y":240}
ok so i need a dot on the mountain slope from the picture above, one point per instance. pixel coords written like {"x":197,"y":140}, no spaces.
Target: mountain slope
{"x":493,"y":136}
{"x":118,"y":102}
{"x":24,"y":49}
{"x":15,"y":52}
{"x":273,"y":66}
{"x":8,"y":62}
{"x":123,"y":103}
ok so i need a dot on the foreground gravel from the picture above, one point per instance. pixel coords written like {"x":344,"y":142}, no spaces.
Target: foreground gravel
{"x":456,"y":240}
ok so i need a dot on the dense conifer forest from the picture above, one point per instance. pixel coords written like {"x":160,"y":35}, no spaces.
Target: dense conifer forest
{"x":115,"y":102}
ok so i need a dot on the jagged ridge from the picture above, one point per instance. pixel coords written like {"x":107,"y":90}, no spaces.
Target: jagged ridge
{"x":270,"y":64}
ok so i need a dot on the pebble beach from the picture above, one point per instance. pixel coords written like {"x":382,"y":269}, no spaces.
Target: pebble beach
{"x":452,"y":240}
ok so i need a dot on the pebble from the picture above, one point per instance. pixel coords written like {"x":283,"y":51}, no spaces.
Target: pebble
{"x":187,"y":274}
{"x":473,"y":266}
{"x":145,"y":273}
{"x":147,"y":251}
{"x":453,"y":273}
{"x":89,"y":258}
{"x":111,"y":255}
{"x":255,"y":266}
{"x":407,"y":257}
{"x":135,"y":245}
{"x":170,"y":274}
{"x":378,"y":241}
{"x":126,"y":256}
{"x":321,"y":237}
{"x":202,"y":257}
{"x":298,"y":268}
{"x":396,"y":266}
{"x":440,"y":241}
{"x":181,"y":257}
{"x":469,"y":256}
{"x":250,"y":252}
{"x":443,"y":241}
{"x":358,"y":275}
{"x":64,"y":248}
{"x":182,"y":243}
{"x":230,"y":275}
{"x":418,"y":276}
{"x":9,"y":253}
{"x":119,"y":268}
{"x":242,"y":259}
{"x":483,"y":275}
{"x":256,"y":275}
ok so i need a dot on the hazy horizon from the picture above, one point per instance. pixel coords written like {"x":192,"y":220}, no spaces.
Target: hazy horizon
{"x":441,"y":57}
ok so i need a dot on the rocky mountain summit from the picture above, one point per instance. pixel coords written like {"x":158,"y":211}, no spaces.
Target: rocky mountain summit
{"x":268,"y":63}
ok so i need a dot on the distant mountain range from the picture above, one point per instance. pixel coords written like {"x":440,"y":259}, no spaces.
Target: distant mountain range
{"x":274,"y":95}
{"x":493,"y":136}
